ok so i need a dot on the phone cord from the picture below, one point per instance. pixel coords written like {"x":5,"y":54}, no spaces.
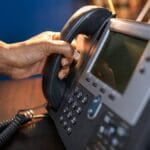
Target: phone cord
{"x":9,"y":127}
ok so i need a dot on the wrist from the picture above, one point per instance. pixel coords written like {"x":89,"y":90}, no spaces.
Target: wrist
{"x":3,"y":53}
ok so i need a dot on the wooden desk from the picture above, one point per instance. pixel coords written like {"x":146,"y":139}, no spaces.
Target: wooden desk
{"x":15,"y":95}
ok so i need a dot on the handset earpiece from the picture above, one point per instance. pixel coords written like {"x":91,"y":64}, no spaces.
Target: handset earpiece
{"x":86,"y":20}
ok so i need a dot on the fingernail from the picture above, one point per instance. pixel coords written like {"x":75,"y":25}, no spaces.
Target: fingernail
{"x":65,"y":62}
{"x":76,"y":55}
{"x":61,"y":75}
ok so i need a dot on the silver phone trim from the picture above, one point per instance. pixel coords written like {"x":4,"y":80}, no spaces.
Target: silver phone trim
{"x":130,"y":104}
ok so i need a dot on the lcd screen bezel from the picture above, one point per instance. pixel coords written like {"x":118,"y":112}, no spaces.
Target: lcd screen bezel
{"x":122,"y":85}
{"x":134,"y":99}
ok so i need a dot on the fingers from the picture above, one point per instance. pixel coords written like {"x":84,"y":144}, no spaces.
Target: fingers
{"x":63,"y":73}
{"x":76,"y":55}
{"x":49,"y":42}
{"x":25,"y":57}
{"x":49,"y":35}
{"x":66,"y":61}
{"x":56,"y":36}
{"x":60,"y":47}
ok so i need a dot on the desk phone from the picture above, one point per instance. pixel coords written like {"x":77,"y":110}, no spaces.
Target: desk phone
{"x":104,"y":103}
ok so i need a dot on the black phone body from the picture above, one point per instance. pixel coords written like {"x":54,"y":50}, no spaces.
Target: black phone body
{"x":107,"y":107}
{"x":53,"y":88}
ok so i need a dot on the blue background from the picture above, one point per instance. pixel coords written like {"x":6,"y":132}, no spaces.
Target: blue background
{"x":21,"y":19}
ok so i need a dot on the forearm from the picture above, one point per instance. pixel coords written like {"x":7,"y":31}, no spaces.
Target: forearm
{"x":15,"y":54}
{"x":11,"y":57}
{"x":3,"y":51}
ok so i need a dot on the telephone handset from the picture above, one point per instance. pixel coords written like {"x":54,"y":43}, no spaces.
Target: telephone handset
{"x":86,"y":20}
{"x":93,"y":112}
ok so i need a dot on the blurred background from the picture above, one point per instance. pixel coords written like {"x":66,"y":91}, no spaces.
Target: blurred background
{"x":21,"y":19}
{"x":127,"y":9}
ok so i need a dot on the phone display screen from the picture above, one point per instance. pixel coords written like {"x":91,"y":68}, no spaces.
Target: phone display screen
{"x":118,"y":59}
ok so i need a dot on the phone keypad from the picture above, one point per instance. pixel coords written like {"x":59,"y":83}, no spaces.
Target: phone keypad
{"x":73,"y":109}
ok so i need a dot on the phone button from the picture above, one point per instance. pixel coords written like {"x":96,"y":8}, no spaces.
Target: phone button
{"x":65,"y":124}
{"x":94,"y":108}
{"x":61,"y":119}
{"x":88,"y":79}
{"x":70,"y":101}
{"x":69,"y":115}
{"x":79,"y":95}
{"x":69,"y":130}
{"x":66,"y":109}
{"x":74,"y":105}
{"x":76,"y":90}
{"x":94,"y":84}
{"x":84,"y":100}
{"x":102,"y":89}
{"x":79,"y":110}
{"x":111,"y":96}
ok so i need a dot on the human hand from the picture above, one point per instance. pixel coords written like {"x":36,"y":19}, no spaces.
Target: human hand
{"x":27,"y":58}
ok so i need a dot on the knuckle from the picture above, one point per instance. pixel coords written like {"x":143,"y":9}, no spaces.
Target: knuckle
{"x":14,"y":74}
{"x":18,"y":74}
{"x":47,"y":33}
